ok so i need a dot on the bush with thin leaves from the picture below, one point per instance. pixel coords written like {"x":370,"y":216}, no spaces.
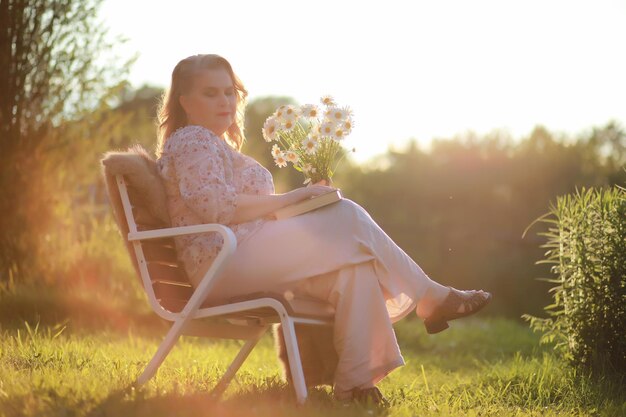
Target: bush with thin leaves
{"x":586,"y":246}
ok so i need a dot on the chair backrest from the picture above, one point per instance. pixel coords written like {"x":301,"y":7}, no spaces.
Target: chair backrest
{"x":163,"y":277}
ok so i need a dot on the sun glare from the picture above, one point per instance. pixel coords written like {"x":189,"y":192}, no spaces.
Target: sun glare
{"x":416,"y":70}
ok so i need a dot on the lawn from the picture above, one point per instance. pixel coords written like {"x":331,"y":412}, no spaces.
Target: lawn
{"x":483,"y":366}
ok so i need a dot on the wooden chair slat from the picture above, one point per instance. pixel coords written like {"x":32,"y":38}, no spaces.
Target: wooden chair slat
{"x":171,"y":294}
{"x":171,"y":273}
{"x":173,"y":305}
{"x":145,"y":221}
{"x":159,"y":252}
{"x":141,"y":212}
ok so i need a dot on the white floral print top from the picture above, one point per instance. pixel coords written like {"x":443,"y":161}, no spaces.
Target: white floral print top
{"x":203,"y":175}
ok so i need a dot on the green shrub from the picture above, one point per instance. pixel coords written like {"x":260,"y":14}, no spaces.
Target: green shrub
{"x":586,"y":245}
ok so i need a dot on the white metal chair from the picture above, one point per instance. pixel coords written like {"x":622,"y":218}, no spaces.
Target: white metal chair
{"x":172,"y":297}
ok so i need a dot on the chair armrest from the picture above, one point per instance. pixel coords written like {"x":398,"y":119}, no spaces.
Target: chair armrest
{"x":226,"y":232}
{"x":228,"y":248}
{"x":200,"y":293}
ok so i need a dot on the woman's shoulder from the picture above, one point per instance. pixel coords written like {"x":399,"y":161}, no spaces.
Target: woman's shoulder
{"x":189,"y":135}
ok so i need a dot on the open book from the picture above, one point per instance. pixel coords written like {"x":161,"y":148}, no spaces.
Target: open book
{"x":308,"y":205}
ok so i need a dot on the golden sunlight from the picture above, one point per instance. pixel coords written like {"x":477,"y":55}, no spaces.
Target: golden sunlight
{"x":415,"y":70}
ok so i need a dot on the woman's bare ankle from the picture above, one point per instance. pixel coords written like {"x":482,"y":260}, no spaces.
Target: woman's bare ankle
{"x":433,"y":297}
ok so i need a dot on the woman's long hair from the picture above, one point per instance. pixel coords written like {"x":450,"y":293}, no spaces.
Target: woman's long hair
{"x":171,"y":114}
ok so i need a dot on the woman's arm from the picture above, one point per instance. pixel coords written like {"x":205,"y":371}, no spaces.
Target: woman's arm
{"x":204,"y":173}
{"x":250,"y":207}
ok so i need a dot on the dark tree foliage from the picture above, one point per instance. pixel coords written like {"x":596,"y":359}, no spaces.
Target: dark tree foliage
{"x":50,"y":72}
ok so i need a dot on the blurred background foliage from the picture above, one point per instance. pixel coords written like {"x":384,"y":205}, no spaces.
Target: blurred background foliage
{"x":458,"y":208}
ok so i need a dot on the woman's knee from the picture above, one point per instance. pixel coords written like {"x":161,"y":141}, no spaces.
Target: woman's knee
{"x":350,"y":207}
{"x":348,"y":204}
{"x":354,"y":212}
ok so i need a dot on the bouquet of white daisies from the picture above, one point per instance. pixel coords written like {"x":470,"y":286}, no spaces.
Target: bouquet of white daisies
{"x":309,"y":137}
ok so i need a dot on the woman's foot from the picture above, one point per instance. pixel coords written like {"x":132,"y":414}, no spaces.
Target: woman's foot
{"x":370,"y":396}
{"x":456,"y":304}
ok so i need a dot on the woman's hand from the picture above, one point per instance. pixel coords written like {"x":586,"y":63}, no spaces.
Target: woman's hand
{"x":304,"y":193}
{"x":250,"y":207}
{"x":319,"y":188}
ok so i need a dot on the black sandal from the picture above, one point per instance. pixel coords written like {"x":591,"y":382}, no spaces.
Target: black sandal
{"x":369,"y":396}
{"x":449,"y":310}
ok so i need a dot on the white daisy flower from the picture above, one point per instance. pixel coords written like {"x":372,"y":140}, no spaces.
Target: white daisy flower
{"x":338,"y":114}
{"x":307,"y":168}
{"x":340,"y":133}
{"x":288,"y":125}
{"x":280,"y":109}
{"x":270,"y":127}
{"x":280,"y":160}
{"x":309,"y":110}
{"x":288,"y":114}
{"x":310,"y":144}
{"x":292,"y":111}
{"x":276,"y":151}
{"x":327,"y":100}
{"x":328,"y":129}
{"x":292,"y":157}
{"x":328,"y":118}
{"x":278,"y":114}
{"x":348,"y":124}
{"x":315,"y":135}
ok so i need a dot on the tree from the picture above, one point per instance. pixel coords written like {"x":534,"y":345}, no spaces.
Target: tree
{"x":50,"y":72}
{"x":610,"y":142}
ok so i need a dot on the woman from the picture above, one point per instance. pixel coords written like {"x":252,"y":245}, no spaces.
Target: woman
{"x":336,"y":253}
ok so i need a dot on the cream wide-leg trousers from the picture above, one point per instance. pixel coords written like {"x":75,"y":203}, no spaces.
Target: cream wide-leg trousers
{"x":339,"y":254}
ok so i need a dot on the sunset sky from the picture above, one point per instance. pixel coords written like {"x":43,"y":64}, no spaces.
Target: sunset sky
{"x":408,"y":69}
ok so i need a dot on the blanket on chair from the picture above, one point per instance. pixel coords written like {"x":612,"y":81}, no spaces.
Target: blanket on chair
{"x":144,"y":185}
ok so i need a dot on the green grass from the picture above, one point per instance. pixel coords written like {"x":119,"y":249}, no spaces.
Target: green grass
{"x":479,"y":367}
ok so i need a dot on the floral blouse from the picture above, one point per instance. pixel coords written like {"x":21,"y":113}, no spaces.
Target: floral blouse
{"x":203,"y":175}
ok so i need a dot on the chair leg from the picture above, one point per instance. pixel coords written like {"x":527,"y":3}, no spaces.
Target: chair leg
{"x":236,"y":364}
{"x":295,"y":364}
{"x":164,"y":348}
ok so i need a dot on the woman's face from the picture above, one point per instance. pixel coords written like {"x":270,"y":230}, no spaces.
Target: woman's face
{"x":212,"y":102}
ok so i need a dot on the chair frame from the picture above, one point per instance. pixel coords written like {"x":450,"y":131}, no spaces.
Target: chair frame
{"x":191,"y":320}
